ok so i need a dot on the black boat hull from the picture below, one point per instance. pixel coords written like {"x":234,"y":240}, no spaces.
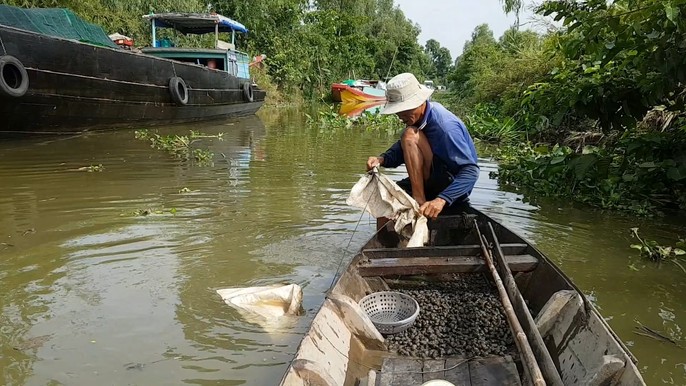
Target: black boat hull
{"x":74,"y":86}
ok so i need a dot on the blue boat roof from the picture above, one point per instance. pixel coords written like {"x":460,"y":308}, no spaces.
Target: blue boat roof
{"x":196,"y":23}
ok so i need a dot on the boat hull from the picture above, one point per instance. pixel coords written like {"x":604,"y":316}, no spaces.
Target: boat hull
{"x":343,"y":347}
{"x":75,"y":86}
{"x":368,"y":94}
{"x":336,"y":89}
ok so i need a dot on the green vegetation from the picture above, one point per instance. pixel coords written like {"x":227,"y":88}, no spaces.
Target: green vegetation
{"x":180,"y":145}
{"x":598,"y":103}
{"x":642,"y":173}
{"x":650,"y":249}
{"x":328,"y":119}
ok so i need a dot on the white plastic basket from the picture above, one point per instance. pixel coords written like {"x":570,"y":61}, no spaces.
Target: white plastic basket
{"x":391,"y":312}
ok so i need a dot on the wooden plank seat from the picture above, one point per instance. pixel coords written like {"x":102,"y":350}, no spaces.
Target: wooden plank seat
{"x":474,"y":372}
{"x":430,"y":265}
{"x":448,"y":251}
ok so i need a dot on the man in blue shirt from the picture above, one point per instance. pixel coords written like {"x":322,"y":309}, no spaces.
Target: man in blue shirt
{"x":435,"y":146}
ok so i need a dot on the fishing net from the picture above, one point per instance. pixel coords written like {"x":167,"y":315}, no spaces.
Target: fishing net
{"x":57,"y":22}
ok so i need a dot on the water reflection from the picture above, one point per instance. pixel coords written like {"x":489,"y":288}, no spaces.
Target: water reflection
{"x":356,"y":109}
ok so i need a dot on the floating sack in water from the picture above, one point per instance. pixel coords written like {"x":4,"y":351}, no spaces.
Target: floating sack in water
{"x":381,"y":197}
{"x":269,"y":302}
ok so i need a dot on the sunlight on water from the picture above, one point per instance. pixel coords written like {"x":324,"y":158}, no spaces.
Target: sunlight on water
{"x":109,"y":277}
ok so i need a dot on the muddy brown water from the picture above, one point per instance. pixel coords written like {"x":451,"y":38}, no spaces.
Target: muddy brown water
{"x":93,"y":292}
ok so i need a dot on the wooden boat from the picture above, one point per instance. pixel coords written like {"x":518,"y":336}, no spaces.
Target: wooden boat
{"x":560,"y":338}
{"x":336,"y":89}
{"x":367,"y":94}
{"x":59,"y":73}
{"x":358,"y":91}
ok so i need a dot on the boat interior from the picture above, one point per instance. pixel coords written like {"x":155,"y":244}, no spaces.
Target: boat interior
{"x":493,"y":311}
{"x":223,"y":57}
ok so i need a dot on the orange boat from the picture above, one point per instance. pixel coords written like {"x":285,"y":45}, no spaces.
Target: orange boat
{"x":336,"y":89}
{"x":356,"y":91}
{"x":367,"y":94}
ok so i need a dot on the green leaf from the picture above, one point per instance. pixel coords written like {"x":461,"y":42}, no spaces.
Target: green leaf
{"x":671,"y":12}
{"x":557,"y":160}
{"x":637,"y":246}
{"x":676,"y":174}
{"x":583,"y":164}
{"x":542,"y":149}
{"x":679,"y":252}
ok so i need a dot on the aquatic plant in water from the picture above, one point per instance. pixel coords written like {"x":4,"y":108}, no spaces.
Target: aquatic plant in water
{"x":180,"y":145}
{"x":329,"y":119}
{"x":650,"y":249}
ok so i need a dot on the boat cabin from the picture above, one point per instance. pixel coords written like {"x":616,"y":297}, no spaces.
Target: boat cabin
{"x":223,"y":56}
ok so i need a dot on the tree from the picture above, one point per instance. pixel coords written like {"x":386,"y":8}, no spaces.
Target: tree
{"x":513,"y":6}
{"x":621,"y":59}
{"x":440,"y":60}
{"x":477,"y":54}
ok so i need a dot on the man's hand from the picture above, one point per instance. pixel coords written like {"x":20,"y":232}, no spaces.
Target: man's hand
{"x":373,"y":162}
{"x":431,"y":209}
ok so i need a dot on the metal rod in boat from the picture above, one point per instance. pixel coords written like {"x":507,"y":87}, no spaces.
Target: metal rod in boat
{"x":531,"y":366}
{"x":550,"y":373}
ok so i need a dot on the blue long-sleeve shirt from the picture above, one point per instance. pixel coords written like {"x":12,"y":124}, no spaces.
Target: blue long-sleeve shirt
{"x":450,"y":143}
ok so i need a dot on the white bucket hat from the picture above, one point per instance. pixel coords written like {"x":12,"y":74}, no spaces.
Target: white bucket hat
{"x":404,"y":92}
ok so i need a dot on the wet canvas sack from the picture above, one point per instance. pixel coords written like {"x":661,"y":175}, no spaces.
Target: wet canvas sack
{"x":382,"y":197}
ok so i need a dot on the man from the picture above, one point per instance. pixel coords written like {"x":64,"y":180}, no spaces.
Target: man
{"x":435,"y":146}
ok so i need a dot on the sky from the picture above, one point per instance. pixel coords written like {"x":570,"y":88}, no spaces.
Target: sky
{"x":451,"y":22}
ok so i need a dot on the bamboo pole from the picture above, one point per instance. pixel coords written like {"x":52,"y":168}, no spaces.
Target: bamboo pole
{"x":548,"y":369}
{"x":531,"y":366}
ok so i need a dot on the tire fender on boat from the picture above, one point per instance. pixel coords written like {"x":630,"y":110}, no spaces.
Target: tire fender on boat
{"x":247,"y":92}
{"x":178,"y":90}
{"x":14,"y":80}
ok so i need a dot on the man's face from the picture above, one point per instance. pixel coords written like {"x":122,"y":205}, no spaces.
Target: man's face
{"x":411,"y":117}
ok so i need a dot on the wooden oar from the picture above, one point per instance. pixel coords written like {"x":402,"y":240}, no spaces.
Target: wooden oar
{"x":550,"y":373}
{"x":531,"y":368}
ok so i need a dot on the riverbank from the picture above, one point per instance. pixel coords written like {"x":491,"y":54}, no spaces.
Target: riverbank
{"x":641,"y":171}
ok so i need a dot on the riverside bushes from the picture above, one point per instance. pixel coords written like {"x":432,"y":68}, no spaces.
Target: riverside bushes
{"x":605,"y":95}
{"x":644,"y":174}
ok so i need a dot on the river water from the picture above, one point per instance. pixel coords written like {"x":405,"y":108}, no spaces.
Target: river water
{"x":94,"y":291}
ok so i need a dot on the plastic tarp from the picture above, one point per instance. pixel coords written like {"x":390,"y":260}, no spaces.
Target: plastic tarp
{"x":57,"y":22}
{"x":264,"y":305}
{"x":382,"y":197}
